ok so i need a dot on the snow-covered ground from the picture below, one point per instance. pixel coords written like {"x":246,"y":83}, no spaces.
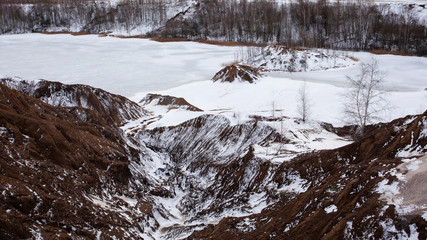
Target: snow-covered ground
{"x":134,"y":67}
{"x":281,"y":94}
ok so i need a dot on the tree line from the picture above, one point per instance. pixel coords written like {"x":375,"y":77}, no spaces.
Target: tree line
{"x":355,"y":25}
{"x":350,"y":25}
{"x":86,"y":15}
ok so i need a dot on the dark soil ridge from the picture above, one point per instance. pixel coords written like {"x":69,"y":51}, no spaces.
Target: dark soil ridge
{"x":171,"y":101}
{"x":50,"y":161}
{"x":115,"y":109}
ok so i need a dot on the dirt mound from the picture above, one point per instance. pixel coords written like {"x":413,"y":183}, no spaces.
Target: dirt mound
{"x":239,"y":73}
{"x":170,"y":101}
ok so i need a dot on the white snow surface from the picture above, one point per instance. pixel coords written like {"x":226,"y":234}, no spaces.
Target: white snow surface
{"x":331,"y":208}
{"x":120,"y":66}
{"x":135,"y":67}
{"x":297,"y":185}
{"x":303,"y":137}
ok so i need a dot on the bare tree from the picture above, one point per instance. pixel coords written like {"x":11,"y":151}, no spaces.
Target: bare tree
{"x":304,"y":103}
{"x":365,"y":100}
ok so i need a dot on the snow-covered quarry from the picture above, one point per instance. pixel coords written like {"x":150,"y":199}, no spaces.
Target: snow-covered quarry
{"x":204,"y":154}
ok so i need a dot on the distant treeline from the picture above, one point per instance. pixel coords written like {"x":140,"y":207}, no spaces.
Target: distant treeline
{"x":42,"y":1}
{"x":86,"y":15}
{"x":353,"y":25}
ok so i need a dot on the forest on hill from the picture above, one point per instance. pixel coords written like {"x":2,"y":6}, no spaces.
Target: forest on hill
{"x":358,"y":25}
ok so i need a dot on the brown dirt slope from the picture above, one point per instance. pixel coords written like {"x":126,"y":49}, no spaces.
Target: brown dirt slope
{"x":50,"y":161}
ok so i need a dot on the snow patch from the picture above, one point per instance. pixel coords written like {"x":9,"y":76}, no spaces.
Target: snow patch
{"x":331,"y":208}
{"x":246,"y":225}
{"x":296,"y":185}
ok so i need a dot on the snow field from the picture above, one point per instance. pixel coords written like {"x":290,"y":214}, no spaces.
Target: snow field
{"x":134,"y":67}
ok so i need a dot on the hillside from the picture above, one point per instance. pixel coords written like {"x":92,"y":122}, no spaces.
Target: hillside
{"x":203,"y":178}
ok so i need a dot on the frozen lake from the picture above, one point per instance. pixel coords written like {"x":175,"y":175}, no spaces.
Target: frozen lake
{"x":121,"y":66}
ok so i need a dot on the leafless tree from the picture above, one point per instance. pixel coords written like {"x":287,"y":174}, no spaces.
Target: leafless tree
{"x":365,"y":100}
{"x":304,"y":103}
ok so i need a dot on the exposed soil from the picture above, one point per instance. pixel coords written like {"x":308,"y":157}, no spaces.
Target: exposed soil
{"x":50,"y":161}
{"x":72,"y":33}
{"x":110,"y":106}
{"x":230,"y":44}
{"x":122,"y":36}
{"x":347,"y":178}
{"x":55,"y":167}
{"x":162,"y":39}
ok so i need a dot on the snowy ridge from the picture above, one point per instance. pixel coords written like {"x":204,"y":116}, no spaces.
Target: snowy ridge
{"x":196,"y":180}
{"x":94,"y":16}
{"x":281,"y":58}
{"x":117,"y":108}
{"x":417,"y":10}
{"x":152,"y":100}
{"x":330,"y":202}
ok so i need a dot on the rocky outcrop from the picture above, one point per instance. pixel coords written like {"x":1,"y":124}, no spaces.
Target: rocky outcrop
{"x":237,"y":73}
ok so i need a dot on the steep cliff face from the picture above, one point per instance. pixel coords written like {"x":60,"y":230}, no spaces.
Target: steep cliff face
{"x":67,"y":177}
